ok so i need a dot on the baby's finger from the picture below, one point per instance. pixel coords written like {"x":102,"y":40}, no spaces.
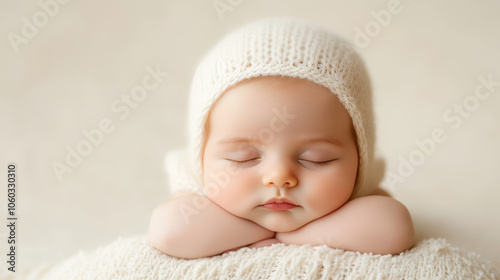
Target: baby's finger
{"x":264,"y":243}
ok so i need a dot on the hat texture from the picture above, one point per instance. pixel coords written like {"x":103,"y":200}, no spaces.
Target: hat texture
{"x":277,"y":47}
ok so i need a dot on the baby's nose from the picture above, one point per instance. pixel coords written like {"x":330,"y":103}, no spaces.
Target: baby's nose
{"x":279,"y":175}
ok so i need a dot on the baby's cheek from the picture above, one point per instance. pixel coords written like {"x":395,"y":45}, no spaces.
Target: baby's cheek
{"x":229,"y":190}
{"x":240,"y":190}
{"x":327,"y":193}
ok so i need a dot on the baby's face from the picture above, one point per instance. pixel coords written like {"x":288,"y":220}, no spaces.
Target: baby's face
{"x":280,"y":152}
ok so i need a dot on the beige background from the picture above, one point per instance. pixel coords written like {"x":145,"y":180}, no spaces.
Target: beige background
{"x":66,"y":77}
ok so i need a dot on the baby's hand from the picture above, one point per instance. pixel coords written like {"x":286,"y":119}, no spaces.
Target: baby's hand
{"x":264,"y":243}
{"x":209,"y":231}
{"x":376,"y":224}
{"x":258,"y":244}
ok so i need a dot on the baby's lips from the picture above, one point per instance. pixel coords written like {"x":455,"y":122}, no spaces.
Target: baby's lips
{"x":277,"y":200}
{"x":279,"y":204}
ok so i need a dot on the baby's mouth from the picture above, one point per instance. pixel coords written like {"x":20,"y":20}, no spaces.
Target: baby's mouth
{"x":279,"y":204}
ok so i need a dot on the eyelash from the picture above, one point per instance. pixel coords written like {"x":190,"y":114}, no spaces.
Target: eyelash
{"x":240,"y":162}
{"x":317,"y":163}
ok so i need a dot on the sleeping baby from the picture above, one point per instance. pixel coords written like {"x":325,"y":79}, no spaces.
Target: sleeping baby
{"x":281,"y":150}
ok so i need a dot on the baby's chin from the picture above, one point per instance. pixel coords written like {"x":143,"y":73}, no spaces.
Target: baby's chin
{"x":281,"y":226}
{"x":282,"y":222}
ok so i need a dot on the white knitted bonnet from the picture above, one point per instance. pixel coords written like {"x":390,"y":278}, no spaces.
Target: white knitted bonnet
{"x":284,"y":47}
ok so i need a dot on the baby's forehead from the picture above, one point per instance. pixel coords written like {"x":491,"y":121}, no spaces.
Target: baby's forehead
{"x":298,"y":103}
{"x":280,"y":89}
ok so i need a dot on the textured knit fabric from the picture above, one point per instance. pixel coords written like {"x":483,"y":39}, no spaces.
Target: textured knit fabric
{"x":277,"y":47}
{"x":134,"y":258}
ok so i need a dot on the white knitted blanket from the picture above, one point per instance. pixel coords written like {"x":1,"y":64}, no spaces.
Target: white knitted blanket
{"x":134,"y":258}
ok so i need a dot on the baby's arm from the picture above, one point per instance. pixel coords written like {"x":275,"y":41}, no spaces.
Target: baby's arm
{"x":202,"y":229}
{"x":376,"y":224}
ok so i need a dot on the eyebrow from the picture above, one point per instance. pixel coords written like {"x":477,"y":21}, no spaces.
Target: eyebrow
{"x":236,"y":140}
{"x":332,"y":141}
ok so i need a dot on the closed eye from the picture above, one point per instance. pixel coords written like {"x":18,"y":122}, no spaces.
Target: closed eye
{"x":315,"y":163}
{"x":242,"y":162}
